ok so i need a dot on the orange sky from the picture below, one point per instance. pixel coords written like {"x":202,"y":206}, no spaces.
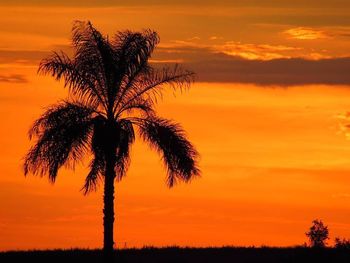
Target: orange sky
{"x":267,"y":115}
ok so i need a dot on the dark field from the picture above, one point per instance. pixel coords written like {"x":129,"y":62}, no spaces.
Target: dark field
{"x":183,"y":255}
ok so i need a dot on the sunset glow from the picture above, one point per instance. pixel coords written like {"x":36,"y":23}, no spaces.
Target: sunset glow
{"x":268,"y":113}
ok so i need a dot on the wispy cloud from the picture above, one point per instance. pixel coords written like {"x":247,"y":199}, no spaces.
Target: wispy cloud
{"x":250,"y":51}
{"x":215,"y":38}
{"x":194,"y":38}
{"x":166,"y":61}
{"x":306,"y":33}
{"x":22,"y":56}
{"x":343,"y":32}
{"x":256,"y":51}
{"x":343,"y":124}
{"x":13,"y":78}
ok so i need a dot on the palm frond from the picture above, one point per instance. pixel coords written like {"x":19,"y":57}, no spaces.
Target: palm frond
{"x":169,"y":139}
{"x":126,"y":138}
{"x":150,"y":85}
{"x":140,"y":105}
{"x":79,"y":79}
{"x":94,"y":51}
{"x":62,"y":134}
{"x":96,"y":173}
{"x":134,"y":50}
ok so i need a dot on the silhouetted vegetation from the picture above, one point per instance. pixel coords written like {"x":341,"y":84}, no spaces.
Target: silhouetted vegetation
{"x":342,"y":243}
{"x":185,"y":255}
{"x":318,"y":234}
{"x":112,"y":93}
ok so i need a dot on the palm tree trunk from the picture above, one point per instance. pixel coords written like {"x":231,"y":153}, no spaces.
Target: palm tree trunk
{"x":108,"y":210}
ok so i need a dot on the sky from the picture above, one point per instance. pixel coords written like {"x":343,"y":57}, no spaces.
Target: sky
{"x":268,"y":114}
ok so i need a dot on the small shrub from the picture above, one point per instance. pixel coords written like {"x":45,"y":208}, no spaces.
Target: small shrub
{"x":318,"y":234}
{"x":342,"y":243}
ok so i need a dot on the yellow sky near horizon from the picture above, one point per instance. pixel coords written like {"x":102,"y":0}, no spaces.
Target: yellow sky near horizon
{"x":274,"y":150}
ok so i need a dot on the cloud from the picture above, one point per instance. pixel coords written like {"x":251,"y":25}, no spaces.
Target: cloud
{"x":283,"y":72}
{"x":22,"y":56}
{"x":305,"y":33}
{"x":256,"y":51}
{"x":339,"y":32}
{"x":177,"y":61}
{"x":234,"y":62}
{"x":247,"y":3}
{"x":343,"y":126}
{"x":215,"y":66}
{"x":13,"y":78}
{"x":215,"y":38}
{"x":249,"y":51}
{"x":194,"y":38}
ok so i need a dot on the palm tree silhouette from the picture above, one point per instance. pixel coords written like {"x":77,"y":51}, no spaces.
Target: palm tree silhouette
{"x":112,"y":93}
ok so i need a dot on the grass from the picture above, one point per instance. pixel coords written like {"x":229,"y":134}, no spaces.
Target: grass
{"x":184,"y":255}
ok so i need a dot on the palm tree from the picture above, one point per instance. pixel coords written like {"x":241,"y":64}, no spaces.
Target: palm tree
{"x":112,"y":93}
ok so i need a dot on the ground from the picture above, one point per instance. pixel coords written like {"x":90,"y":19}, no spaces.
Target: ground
{"x":184,"y":255}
